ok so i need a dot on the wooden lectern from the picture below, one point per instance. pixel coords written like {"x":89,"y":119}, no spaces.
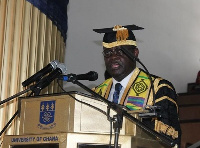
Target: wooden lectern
{"x":58,"y":121}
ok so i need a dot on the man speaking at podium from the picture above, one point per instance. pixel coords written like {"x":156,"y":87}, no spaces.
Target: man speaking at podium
{"x":135,"y":88}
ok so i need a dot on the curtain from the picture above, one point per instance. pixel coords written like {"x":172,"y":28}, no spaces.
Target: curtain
{"x":32,"y":33}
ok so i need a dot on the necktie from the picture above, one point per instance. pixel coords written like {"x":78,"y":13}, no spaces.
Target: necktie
{"x":118,"y":87}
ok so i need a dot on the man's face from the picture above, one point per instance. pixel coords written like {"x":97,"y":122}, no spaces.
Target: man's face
{"x":118,"y":64}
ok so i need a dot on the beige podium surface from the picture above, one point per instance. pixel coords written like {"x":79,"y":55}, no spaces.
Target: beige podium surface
{"x":70,"y":116}
{"x":62,"y":120}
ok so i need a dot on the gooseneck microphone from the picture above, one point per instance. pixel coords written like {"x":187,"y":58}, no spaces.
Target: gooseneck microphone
{"x":150,"y":110}
{"x":38,"y":75}
{"x":91,"y":76}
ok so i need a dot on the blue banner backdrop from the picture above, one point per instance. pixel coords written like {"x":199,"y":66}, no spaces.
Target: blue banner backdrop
{"x":56,"y":11}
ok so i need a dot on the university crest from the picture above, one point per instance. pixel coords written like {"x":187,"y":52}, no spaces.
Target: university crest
{"x":47,"y":114}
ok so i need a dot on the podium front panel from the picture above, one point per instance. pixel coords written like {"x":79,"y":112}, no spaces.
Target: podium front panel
{"x":61,"y":121}
{"x":61,"y":113}
{"x":76,"y":140}
{"x":64,"y":140}
{"x":35,"y":141}
{"x":47,"y":114}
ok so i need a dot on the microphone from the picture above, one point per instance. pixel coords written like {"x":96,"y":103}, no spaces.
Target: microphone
{"x":61,"y":69}
{"x":91,"y":76}
{"x":38,"y":75}
{"x":130,"y":55}
{"x":150,"y":112}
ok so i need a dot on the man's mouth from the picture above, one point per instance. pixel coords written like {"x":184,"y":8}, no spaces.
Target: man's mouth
{"x":115,"y":65}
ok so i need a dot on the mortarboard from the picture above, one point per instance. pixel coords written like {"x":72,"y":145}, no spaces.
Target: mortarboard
{"x":118,"y":35}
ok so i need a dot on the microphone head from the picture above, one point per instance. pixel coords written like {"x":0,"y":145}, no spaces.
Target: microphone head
{"x":62,"y":67}
{"x":54,"y":64}
{"x":93,"y":76}
{"x":38,"y":75}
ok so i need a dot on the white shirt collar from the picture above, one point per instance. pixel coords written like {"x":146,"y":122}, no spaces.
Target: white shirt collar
{"x":125,"y":81}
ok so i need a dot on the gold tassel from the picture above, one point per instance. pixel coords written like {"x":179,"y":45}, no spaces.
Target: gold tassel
{"x":122,"y":33}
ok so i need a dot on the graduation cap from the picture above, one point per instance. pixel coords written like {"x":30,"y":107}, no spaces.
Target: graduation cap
{"x":118,"y":35}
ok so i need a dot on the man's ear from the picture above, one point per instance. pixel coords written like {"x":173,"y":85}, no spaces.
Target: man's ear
{"x":136,"y":52}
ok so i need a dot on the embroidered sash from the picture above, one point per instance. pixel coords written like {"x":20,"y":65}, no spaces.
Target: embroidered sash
{"x":136,"y":92}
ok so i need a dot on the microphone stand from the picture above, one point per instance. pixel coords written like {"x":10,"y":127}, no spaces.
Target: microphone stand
{"x":153,"y":108}
{"x":16,"y":113}
{"x":119,"y":117}
{"x":11,"y":119}
{"x":117,"y":124}
{"x":14,"y":96}
{"x":33,"y":88}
